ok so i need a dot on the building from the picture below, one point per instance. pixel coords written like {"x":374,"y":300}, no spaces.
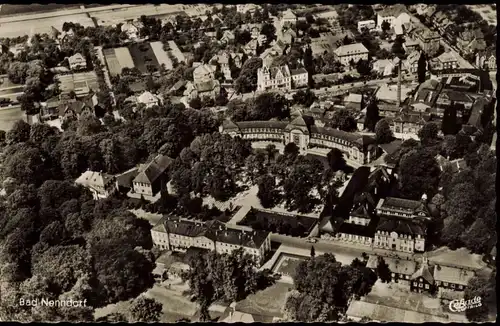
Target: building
{"x":411,"y":61}
{"x":248,"y":7}
{"x":471,"y":42}
{"x":423,"y":279}
{"x":274,"y":78}
{"x":352,"y":52}
{"x":203,"y":73}
{"x":409,"y":123}
{"x":410,"y":45}
{"x":429,"y":41}
{"x":177,"y":234}
{"x":300,"y":77}
{"x":288,"y":36}
{"x":384,"y":67}
{"x":209,"y":89}
{"x":448,"y":96}
{"x":288,"y":18}
{"x":150,"y":179}
{"x":395,"y":15}
{"x":250,"y":49}
{"x":486,"y":60}
{"x":148,"y":99}
{"x":101,"y":185}
{"x":225,"y":59}
{"x":401,"y":269}
{"x":77,"y":62}
{"x":452,"y":278}
{"x":366,"y":24}
{"x":446,"y":61}
{"x":74,"y":109}
{"x":307,"y":136}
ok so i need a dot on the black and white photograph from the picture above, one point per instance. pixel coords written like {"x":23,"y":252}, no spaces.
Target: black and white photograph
{"x":248,"y":163}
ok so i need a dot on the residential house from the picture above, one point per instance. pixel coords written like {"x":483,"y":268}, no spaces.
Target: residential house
{"x":178,"y":234}
{"x":411,"y":61}
{"x":428,"y":92}
{"x":401,"y":269}
{"x":471,"y":42}
{"x":254,"y":29}
{"x":429,"y":41}
{"x":124,"y":180}
{"x":248,"y":7}
{"x":300,"y":77}
{"x":410,"y":45}
{"x":268,"y":56}
{"x":352,"y":52}
{"x":203,"y":73}
{"x":384,"y":67}
{"x":101,"y":185}
{"x":148,"y":99}
{"x":77,"y":62}
{"x":486,"y":60}
{"x":288,"y":18}
{"x":250,"y":49}
{"x":447,"y":60}
{"x":151,"y":178}
{"x":49,"y":108}
{"x":274,"y":78}
{"x":423,"y":279}
{"x":74,"y":109}
{"x":227,"y":36}
{"x":456,"y":165}
{"x":131,"y":30}
{"x":395,"y":15}
{"x":209,"y":88}
{"x":288,"y":36}
{"x":408,"y":124}
{"x":366,"y":24}
{"x":354,"y":102}
{"x":224,"y":59}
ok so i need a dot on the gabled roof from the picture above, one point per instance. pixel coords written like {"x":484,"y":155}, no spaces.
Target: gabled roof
{"x":147,"y":97}
{"x":148,"y":173}
{"x":126,"y":178}
{"x":349,"y":49}
{"x":403,"y":205}
{"x":298,"y":71}
{"x":75,"y":106}
{"x":400,"y":226}
{"x":94,"y":179}
{"x":425,"y":271}
{"x":452,"y":275}
{"x":393,"y":11}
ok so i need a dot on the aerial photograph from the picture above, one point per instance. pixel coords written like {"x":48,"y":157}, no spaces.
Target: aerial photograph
{"x":253,"y":162}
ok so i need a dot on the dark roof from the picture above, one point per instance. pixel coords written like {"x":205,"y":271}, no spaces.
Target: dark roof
{"x":75,"y":106}
{"x":401,"y":226}
{"x":213,"y":230}
{"x":261,"y":124}
{"x":456,"y":96}
{"x":413,"y":118}
{"x":348,"y":136}
{"x":148,"y":173}
{"x":391,"y":147}
{"x":357,"y":229}
{"x":426,"y":272}
{"x":401,"y":204}
{"x":298,"y":71}
{"x":229,"y":125}
{"x":358,"y":181}
{"x":125,"y":179}
{"x":477,"y":110}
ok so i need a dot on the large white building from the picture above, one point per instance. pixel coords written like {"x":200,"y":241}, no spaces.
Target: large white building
{"x":352,"y":52}
{"x":395,"y":15}
{"x":178,"y":234}
{"x":274,"y":78}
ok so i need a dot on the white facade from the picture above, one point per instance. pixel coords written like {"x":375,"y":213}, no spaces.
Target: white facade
{"x":368,"y":24}
{"x":354,"y":52}
{"x":398,"y":242}
{"x":300,"y":77}
{"x":77,"y":62}
{"x":274,"y":78}
{"x":400,"y":20}
{"x":148,"y":99}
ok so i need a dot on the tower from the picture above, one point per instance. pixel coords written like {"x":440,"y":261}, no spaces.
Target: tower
{"x":398,"y":63}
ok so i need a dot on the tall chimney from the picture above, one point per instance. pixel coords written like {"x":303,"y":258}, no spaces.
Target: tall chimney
{"x":399,"y":83}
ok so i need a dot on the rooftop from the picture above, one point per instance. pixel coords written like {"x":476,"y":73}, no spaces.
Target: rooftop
{"x":396,"y":265}
{"x":452,"y":275}
{"x":94,"y":179}
{"x":393,"y":11}
{"x":350,"y":49}
{"x":401,"y":226}
{"x":148,"y":173}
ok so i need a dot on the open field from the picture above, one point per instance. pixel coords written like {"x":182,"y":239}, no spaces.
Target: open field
{"x":287,"y":264}
{"x":77,"y":81}
{"x":143,"y":55}
{"x":42,"y":26}
{"x":268,"y":302}
{"x":7,"y":9}
{"x":9,"y":116}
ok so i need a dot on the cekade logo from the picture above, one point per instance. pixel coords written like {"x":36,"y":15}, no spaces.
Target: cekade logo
{"x":462,"y":305}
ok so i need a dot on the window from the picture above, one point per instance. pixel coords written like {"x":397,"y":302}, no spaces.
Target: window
{"x":414,"y":283}
{"x":427,"y":286}
{"x":445,"y":283}
{"x":420,"y":285}
{"x":461,"y":287}
{"x":452,"y":286}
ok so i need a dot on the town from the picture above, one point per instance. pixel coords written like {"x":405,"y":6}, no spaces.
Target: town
{"x":248,"y":163}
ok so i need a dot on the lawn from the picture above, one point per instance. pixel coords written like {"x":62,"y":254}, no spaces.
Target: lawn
{"x":34,"y":8}
{"x":143,"y":55}
{"x":288,"y":264}
{"x":268,"y":302}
